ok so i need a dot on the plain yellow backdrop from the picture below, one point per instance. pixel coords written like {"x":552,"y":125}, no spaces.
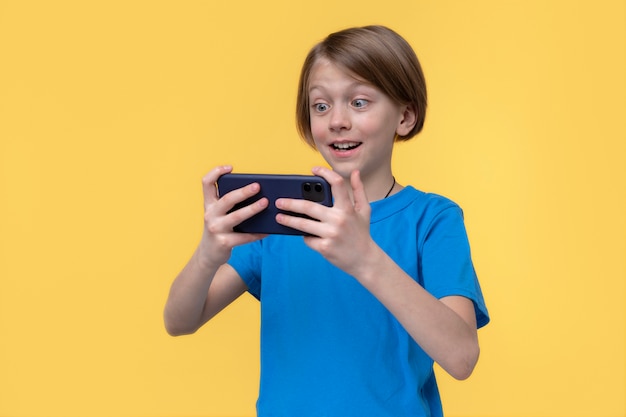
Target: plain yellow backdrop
{"x":112,"y":111}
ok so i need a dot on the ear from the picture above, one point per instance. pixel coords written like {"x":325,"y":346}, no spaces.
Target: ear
{"x":407,"y":123}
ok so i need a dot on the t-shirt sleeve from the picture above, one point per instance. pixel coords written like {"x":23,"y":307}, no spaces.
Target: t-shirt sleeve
{"x":447,"y":267}
{"x":246,"y":260}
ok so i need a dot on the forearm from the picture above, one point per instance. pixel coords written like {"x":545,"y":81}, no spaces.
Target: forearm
{"x":188,"y":296}
{"x":194,"y":296}
{"x":443,"y":333}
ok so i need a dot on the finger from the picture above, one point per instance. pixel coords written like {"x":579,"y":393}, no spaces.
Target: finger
{"x":230,"y":199}
{"x":338,"y":186}
{"x":209,"y":189}
{"x":243,"y":238}
{"x":361,"y":203}
{"x":236,"y":217}
{"x":218,"y":221}
{"x":301,"y":206}
{"x":312,"y":227}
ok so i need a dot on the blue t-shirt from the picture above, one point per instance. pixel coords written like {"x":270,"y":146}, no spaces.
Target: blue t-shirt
{"x":328,"y":346}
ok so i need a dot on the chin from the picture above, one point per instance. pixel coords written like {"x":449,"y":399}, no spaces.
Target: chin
{"x":344,"y":172}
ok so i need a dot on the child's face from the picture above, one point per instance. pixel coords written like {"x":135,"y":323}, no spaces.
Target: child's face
{"x":352,"y":122}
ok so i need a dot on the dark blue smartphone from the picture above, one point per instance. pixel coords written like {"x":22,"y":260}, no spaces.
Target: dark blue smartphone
{"x":308,"y":187}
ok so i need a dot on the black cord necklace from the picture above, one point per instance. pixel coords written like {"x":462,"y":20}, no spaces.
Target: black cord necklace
{"x":392,"y":185}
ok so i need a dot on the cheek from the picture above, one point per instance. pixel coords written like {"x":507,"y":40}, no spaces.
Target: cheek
{"x":383,"y":128}
{"x":317,"y":130}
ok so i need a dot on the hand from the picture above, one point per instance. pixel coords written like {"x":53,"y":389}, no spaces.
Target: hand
{"x":342,"y":234}
{"x":219,"y":238}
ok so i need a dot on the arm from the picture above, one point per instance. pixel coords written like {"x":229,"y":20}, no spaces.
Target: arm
{"x":445,"y":328}
{"x":198,"y":294}
{"x":207,"y":284}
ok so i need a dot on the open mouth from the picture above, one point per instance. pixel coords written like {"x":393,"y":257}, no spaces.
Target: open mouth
{"x":345,"y":146}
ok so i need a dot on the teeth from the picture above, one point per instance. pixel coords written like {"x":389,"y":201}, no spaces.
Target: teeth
{"x":345,"y":145}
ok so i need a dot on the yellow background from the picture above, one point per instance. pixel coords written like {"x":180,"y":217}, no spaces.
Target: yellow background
{"x":111,"y":112}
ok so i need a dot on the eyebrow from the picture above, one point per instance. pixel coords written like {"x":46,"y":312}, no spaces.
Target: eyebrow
{"x":352,"y":85}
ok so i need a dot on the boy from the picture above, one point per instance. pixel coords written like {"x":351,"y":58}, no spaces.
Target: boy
{"x":352,"y":317}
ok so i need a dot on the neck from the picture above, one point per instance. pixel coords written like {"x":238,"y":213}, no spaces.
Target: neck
{"x":393,"y":185}
{"x":382,"y":189}
{"x":378,"y":189}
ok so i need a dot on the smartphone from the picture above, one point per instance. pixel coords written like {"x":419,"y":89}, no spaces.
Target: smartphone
{"x":308,"y":187}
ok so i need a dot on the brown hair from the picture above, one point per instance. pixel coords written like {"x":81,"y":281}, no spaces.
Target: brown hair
{"x":380,"y":57}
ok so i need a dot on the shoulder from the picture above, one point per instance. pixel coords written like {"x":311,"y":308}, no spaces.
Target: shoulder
{"x":427,"y":216}
{"x":432,"y":201}
{"x":414,"y":203}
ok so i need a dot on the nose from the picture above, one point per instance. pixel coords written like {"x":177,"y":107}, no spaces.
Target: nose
{"x":339,"y":119}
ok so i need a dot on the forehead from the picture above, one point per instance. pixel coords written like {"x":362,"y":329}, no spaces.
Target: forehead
{"x":324,"y":72}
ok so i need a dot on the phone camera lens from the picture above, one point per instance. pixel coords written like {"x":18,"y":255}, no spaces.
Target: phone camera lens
{"x":318,"y":187}
{"x":307,"y":187}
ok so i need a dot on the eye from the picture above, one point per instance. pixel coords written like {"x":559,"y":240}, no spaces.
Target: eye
{"x":320,"y":107}
{"x":360,"y":103}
